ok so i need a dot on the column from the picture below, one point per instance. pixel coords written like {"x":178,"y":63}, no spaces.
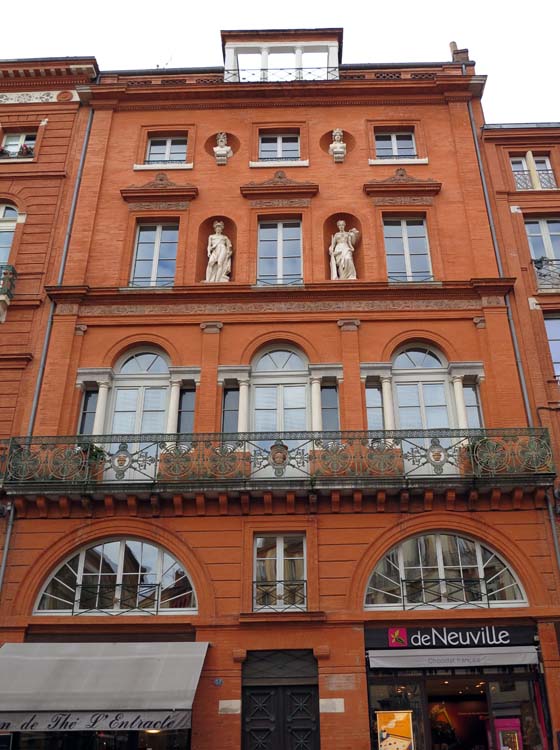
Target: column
{"x":387,"y":399}
{"x":316,"y":408}
{"x":173,"y":409}
{"x":462,"y":420}
{"x":533,"y":172}
{"x":332,"y":61}
{"x":208,"y":393}
{"x":264,"y":63}
{"x":230,"y":66}
{"x":243,"y":409}
{"x":101,"y":409}
{"x":352,"y":413}
{"x":299,"y":63}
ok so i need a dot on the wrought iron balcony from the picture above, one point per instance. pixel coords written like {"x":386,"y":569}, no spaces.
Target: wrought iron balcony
{"x":547,"y":179}
{"x":266,"y":460}
{"x":444,"y":593}
{"x":8,"y":276}
{"x":279,"y":596}
{"x":523,"y":181}
{"x":547,"y":271}
{"x":279,"y":75}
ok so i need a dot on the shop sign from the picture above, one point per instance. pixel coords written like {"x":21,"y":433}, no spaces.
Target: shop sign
{"x":394,"y":730}
{"x":80,"y":721}
{"x":479,"y":636}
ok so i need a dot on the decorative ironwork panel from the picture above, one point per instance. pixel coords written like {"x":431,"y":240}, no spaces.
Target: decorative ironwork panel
{"x":278,"y":75}
{"x":547,"y":179}
{"x":523,"y":180}
{"x":327,"y":459}
{"x":279,"y":596}
{"x":281,"y":718}
{"x":8,"y":276}
{"x":547,"y":271}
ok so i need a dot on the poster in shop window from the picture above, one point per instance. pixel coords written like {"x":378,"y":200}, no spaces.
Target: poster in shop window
{"x":394,"y":730}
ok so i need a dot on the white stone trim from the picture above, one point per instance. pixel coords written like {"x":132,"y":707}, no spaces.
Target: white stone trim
{"x":279,"y":163}
{"x":331,"y":705}
{"x":36,"y":97}
{"x":161,"y":167}
{"x":375,"y":162}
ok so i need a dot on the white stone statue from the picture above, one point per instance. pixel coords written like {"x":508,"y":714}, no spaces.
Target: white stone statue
{"x":220,"y":251}
{"x":341,"y":252}
{"x":337,"y":149}
{"x":222,"y":151}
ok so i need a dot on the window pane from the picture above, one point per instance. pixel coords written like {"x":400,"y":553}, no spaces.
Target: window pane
{"x":230,"y":410}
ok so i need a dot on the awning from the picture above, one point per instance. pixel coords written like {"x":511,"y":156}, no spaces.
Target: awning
{"x":457,"y":657}
{"x":98,"y":686}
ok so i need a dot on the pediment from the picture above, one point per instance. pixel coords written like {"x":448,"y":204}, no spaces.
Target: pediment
{"x":161,"y":187}
{"x":279,"y":185}
{"x":401,"y":183}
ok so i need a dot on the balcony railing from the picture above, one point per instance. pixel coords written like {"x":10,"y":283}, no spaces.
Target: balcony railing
{"x":8,"y":276}
{"x":279,"y":596}
{"x":25,"y":152}
{"x":547,"y":271}
{"x":444,"y":593}
{"x":546,"y":177}
{"x":279,"y":75}
{"x":316,"y":459}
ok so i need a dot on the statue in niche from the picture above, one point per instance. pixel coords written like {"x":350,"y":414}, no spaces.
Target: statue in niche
{"x":220,"y":251}
{"x":341,"y":252}
{"x":337,"y":149}
{"x":222,"y":151}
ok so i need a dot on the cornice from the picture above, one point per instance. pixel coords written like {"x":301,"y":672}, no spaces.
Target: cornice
{"x":15,"y":361}
{"x":31,"y":171}
{"x":279,"y":185}
{"x":401,"y":183}
{"x":160,"y":188}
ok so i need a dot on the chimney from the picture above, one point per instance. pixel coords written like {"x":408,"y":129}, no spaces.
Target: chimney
{"x":458,"y":55}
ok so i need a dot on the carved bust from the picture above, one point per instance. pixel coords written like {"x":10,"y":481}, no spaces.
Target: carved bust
{"x":337,"y":148}
{"x":222,"y":152}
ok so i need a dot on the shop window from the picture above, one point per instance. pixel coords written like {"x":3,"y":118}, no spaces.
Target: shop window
{"x":116,"y":576}
{"x":442,"y":571}
{"x":18,"y":146}
{"x":407,"y":250}
{"x":155,"y":255}
{"x":279,"y":253}
{"x":280,"y":573}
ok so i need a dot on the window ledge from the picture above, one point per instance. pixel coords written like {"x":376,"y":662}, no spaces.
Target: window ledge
{"x":276,"y":287}
{"x":375,"y":162}
{"x":162,"y":166}
{"x":17,"y":160}
{"x":279,"y":163}
{"x":145,"y":288}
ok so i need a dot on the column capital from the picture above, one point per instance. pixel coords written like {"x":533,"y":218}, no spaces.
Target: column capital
{"x":231,"y":374}
{"x":348,"y":324}
{"x":211,"y":326}
{"x":94,"y":376}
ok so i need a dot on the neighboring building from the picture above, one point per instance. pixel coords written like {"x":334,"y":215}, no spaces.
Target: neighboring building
{"x":280,"y":414}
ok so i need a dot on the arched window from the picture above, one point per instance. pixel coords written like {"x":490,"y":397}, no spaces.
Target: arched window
{"x":118,"y":575}
{"x":445,"y":571}
{"x":140,"y":394}
{"x":280,"y":392}
{"x":8,"y":221}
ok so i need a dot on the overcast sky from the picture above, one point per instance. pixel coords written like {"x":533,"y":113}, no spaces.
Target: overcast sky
{"x":514,"y":43}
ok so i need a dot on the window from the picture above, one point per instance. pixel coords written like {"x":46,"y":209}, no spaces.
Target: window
{"x":166,"y":150}
{"x":280,"y":392}
{"x":155,"y":255}
{"x":398,"y":145}
{"x":185,"y":416}
{"x":279,"y":252}
{"x":87,"y":418}
{"x":18,"y":146}
{"x":230,"y":412}
{"x":329,"y":408}
{"x":407,"y":251}
{"x":118,"y":575}
{"x":553,"y":332}
{"x":8,"y":221}
{"x":279,"y":147}
{"x":544,"y":238}
{"x":444,"y":571}
{"x":280,"y":575}
{"x":525,"y":179}
{"x":140,"y":405}
{"x":374,"y":408}
{"x":472,"y":406}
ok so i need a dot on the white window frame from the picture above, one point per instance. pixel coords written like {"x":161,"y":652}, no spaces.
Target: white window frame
{"x":544,"y":233}
{"x":555,"y":363}
{"x":393,"y":135}
{"x":279,"y":379}
{"x":122,"y":541}
{"x":155,"y":258}
{"x":279,"y":255}
{"x":441,"y":604}
{"x":168,"y":141}
{"x":406,"y":250}
{"x":8,"y":225}
{"x":540,"y":164}
{"x":280,"y":567}
{"x":279,"y":160}
{"x":21,"y":142}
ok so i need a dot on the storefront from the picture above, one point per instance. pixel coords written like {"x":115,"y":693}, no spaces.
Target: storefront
{"x":456,"y":688}
{"x":98,"y":696}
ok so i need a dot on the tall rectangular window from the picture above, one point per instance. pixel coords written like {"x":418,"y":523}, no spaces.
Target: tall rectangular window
{"x":472,"y":405}
{"x":230,"y":411}
{"x":279,"y":146}
{"x":87,"y":417}
{"x":544,"y":237}
{"x":553,"y":333}
{"x":166,"y":150}
{"x":279,"y":252}
{"x":407,"y":251}
{"x":185,"y":415}
{"x":329,"y":408}
{"x":374,"y":407}
{"x":155,"y":255}
{"x":395,"y":145}
{"x":280,"y":575}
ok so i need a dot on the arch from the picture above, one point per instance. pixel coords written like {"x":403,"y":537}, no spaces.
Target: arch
{"x":143,"y":529}
{"x":419,"y":336}
{"x":418,"y":356}
{"x":6,"y":196}
{"x":279,"y":339}
{"x":142,"y":360}
{"x":134,"y":342}
{"x":440,"y":522}
{"x":280,"y":358}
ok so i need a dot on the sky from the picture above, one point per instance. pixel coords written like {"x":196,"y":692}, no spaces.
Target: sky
{"x":514,"y":43}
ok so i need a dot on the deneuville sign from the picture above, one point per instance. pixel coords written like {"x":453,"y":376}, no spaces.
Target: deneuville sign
{"x":449,"y":637}
{"x":93,"y":721}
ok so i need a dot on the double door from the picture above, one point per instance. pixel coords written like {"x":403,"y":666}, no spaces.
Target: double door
{"x":281,"y":717}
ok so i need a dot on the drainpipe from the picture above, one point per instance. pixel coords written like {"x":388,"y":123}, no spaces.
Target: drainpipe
{"x":511,"y":322}
{"x":48,"y":331}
